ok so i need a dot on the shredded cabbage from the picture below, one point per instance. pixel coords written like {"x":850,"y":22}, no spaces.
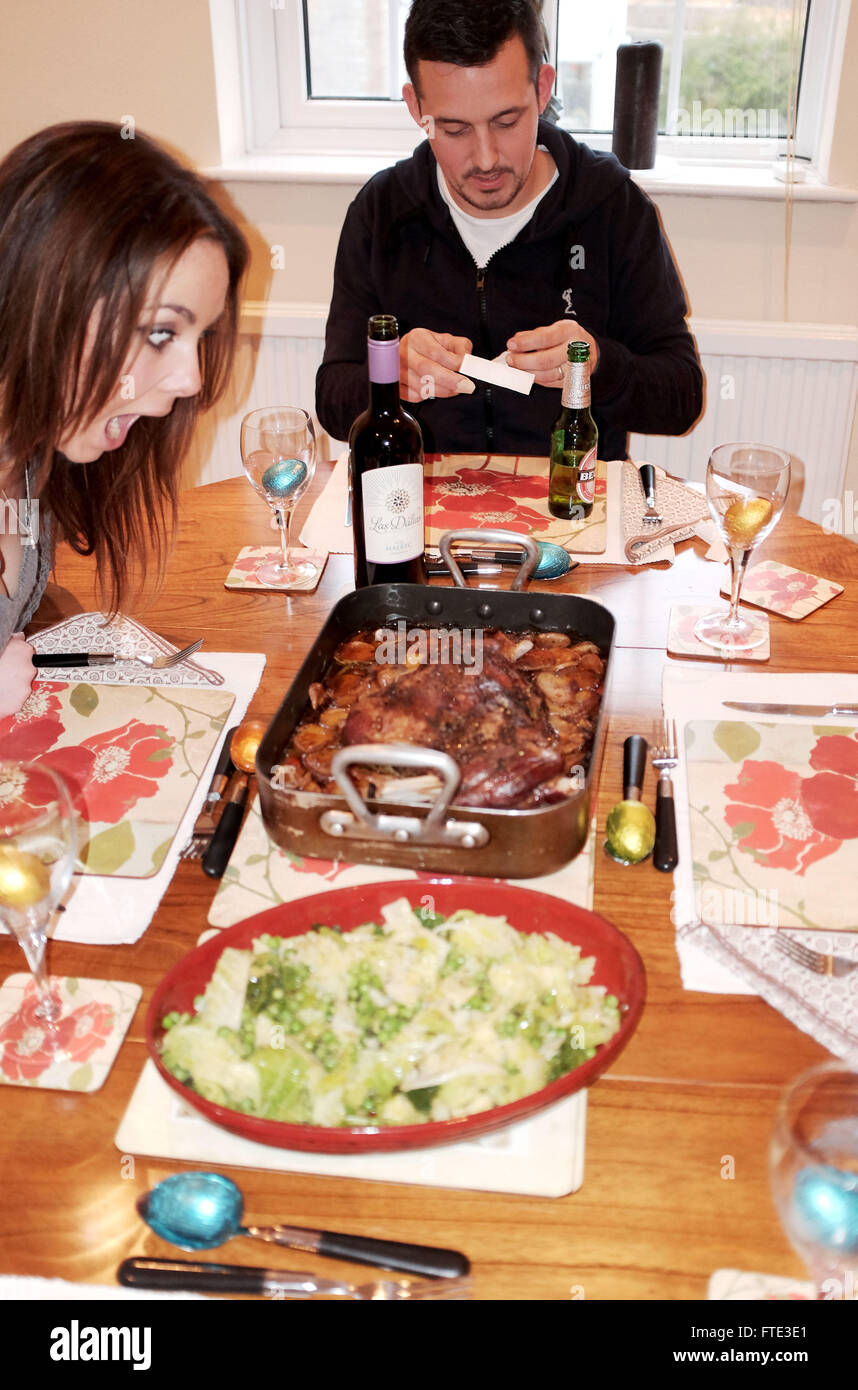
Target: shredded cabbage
{"x":416,"y":1018}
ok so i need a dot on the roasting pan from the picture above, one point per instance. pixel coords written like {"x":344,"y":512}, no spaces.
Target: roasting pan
{"x":443,"y":838}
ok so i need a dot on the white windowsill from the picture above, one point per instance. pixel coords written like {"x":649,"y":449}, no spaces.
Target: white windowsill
{"x":670,"y":176}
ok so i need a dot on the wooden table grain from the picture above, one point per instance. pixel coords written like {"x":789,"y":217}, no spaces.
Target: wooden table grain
{"x":676,"y":1182}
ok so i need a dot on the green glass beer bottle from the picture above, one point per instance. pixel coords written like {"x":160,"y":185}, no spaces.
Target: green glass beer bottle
{"x":574,"y":443}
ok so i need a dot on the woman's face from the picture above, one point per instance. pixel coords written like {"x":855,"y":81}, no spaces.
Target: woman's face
{"x":163,"y":362}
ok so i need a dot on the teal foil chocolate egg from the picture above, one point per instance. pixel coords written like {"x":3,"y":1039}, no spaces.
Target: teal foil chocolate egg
{"x":825,"y":1207}
{"x":553,"y":562}
{"x":282,"y":478}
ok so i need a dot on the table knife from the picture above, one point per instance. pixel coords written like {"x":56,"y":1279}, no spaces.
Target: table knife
{"x":73,"y":658}
{"x":808,"y":711}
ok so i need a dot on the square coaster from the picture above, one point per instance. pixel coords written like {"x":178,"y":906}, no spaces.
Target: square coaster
{"x":96,"y":1015}
{"x":780,"y":588}
{"x":243,"y":574}
{"x":681,"y":640}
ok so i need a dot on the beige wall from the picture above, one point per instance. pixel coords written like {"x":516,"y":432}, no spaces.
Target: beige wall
{"x":152,"y":59}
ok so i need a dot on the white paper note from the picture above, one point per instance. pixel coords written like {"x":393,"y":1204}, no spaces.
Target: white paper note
{"x":497,"y":374}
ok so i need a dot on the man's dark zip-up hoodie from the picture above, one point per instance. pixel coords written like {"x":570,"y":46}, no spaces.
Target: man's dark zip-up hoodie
{"x":593,"y":252}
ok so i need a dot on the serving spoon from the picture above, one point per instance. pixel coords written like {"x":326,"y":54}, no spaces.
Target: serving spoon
{"x":199,"y":1211}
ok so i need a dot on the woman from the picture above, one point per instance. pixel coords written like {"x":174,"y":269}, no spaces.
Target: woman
{"x":119,"y":280}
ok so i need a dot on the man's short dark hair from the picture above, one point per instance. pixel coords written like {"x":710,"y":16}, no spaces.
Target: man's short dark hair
{"x":470,"y":33}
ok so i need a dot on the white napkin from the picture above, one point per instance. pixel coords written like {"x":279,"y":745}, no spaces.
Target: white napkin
{"x":115,"y":911}
{"x":326,"y":529}
{"x":736,"y":960}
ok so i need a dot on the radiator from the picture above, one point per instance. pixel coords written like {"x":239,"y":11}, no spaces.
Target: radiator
{"x":793,"y":385}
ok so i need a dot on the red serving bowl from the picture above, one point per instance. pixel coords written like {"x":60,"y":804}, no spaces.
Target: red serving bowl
{"x":618,"y":967}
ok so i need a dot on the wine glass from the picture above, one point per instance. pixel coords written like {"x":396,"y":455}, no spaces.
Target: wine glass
{"x":278,"y":450}
{"x":746,"y":487}
{"x":813,"y":1163}
{"x":38,"y":845}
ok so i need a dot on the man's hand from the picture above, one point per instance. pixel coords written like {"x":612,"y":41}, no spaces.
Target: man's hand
{"x":16,"y":674}
{"x":543,"y":351}
{"x":429,"y":364}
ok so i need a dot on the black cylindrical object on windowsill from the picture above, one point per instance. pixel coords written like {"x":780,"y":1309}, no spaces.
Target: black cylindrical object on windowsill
{"x":636,"y":104}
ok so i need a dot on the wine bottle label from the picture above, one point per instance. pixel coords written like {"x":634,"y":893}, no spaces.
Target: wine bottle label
{"x":576,"y":389}
{"x":383,"y":361}
{"x":587,"y":477}
{"x":393,"y":513}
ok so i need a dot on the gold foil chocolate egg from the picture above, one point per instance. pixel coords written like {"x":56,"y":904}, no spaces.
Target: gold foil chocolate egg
{"x":745,"y":519}
{"x":24,"y":879}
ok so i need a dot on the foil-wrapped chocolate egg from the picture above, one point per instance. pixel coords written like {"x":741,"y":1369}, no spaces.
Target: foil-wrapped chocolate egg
{"x":825,"y":1207}
{"x":283,"y":478}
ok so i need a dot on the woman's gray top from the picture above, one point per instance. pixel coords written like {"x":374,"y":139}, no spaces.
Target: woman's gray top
{"x":16,"y":612}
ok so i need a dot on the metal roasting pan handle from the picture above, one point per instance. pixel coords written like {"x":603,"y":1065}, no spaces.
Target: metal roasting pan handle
{"x":395,"y":755}
{"x":491,"y":537}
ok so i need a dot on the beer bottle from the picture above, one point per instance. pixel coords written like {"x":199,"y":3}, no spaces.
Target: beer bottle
{"x":386,"y":471}
{"x":574,"y":442}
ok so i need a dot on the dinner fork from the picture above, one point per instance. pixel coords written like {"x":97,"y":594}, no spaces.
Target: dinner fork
{"x":820,"y":964}
{"x":664,"y":759}
{"x":652,"y":516}
{"x":164,"y":663}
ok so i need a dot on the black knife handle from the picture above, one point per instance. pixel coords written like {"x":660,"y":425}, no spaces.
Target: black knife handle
{"x":223,"y":841}
{"x":395,"y":1254}
{"x":634,"y":766}
{"x":197,"y":1277}
{"x":647,"y":473}
{"x":67,"y":659}
{"x":665,"y":855}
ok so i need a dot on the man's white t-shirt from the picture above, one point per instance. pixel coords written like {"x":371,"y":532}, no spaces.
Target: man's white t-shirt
{"x":483,"y":236}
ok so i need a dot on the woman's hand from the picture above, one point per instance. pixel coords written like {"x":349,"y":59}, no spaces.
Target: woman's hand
{"x":16,"y":674}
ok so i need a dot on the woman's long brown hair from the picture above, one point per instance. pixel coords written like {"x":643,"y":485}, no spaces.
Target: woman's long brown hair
{"x":89,"y":219}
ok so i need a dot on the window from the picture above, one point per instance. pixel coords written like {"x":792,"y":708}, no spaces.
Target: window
{"x":325,"y":76}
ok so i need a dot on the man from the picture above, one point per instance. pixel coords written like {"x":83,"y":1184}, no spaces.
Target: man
{"x":502,"y":235}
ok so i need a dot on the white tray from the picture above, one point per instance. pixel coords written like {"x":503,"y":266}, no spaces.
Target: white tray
{"x":539,"y":1157}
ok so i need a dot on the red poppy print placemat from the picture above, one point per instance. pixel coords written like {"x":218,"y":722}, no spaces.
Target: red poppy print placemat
{"x":774,"y":820}
{"x":78,"y":1054}
{"x":131,"y":757}
{"x":510,"y":492}
{"x":780,"y":588}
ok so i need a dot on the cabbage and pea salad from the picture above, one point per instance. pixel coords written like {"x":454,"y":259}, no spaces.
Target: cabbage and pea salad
{"x":414,"y":1018}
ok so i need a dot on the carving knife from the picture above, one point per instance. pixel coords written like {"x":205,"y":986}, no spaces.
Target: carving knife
{"x":808,"y":711}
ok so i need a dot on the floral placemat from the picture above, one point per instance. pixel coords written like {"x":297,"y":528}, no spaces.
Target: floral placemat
{"x":94,"y":632}
{"x":75,"y":1056}
{"x":131,"y":757}
{"x":511,"y":492}
{"x":681,"y":640}
{"x":245,"y":570}
{"x":774,"y":816}
{"x":792,"y":593}
{"x":261,"y":875}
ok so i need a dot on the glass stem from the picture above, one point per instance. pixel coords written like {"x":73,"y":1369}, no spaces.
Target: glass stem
{"x":738,"y":566}
{"x":33,"y":945}
{"x":284,"y":521}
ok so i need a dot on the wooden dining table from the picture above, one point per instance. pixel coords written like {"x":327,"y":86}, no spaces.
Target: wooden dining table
{"x":676,"y":1181}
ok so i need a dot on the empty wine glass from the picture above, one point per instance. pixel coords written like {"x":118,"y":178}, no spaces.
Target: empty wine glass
{"x":278,"y":450}
{"x":38,"y":845}
{"x":813,"y":1163}
{"x":746,"y":487}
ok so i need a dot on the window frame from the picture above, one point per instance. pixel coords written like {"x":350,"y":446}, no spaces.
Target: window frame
{"x":266,"y":113}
